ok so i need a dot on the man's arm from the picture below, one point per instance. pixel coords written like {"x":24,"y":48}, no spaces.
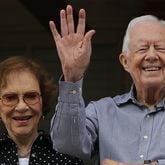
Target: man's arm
{"x":68,"y":126}
{"x":113,"y":162}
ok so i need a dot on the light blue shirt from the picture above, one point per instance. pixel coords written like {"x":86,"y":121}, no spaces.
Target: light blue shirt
{"x":118,"y":128}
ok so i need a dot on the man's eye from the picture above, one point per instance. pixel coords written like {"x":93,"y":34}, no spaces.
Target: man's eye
{"x":141,"y":50}
{"x":161,"y":49}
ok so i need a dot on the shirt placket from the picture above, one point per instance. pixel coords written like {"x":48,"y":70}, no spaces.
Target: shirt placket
{"x":145,"y":137}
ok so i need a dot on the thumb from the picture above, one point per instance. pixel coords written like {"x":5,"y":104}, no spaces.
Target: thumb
{"x":88,"y":36}
{"x":87,"y":39}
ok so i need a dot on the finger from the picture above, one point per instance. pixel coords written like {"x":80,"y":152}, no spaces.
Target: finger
{"x":81,"y":22}
{"x":88,"y":37}
{"x":70,"y":20}
{"x":54,"y":31}
{"x":64,"y":26}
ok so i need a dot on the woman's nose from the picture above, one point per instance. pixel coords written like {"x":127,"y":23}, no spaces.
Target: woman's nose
{"x":21,"y":105}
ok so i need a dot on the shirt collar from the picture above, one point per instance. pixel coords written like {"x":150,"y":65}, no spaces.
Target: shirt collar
{"x":130,"y":97}
{"x":5,"y":137}
{"x":124,"y":98}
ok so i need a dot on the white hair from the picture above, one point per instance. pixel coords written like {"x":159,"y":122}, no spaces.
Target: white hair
{"x":132,"y":23}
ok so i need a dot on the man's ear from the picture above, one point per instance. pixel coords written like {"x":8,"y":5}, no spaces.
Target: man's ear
{"x":123,"y":58}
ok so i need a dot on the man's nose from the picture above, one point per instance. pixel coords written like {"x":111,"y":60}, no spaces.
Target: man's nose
{"x":151,"y":54}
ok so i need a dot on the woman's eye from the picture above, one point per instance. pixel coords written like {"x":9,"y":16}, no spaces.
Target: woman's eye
{"x":10,"y":97}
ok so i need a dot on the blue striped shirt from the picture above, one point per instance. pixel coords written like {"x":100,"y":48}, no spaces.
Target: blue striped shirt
{"x":118,"y":128}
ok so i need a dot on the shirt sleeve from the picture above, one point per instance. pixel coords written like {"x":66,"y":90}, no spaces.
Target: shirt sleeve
{"x":69,"y":129}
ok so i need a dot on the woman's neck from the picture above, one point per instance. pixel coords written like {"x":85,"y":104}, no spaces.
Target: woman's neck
{"x":24,"y":144}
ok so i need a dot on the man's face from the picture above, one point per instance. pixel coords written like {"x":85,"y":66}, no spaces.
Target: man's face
{"x":145,"y":60}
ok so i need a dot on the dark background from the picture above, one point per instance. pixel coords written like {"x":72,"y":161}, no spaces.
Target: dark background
{"x":24,"y":31}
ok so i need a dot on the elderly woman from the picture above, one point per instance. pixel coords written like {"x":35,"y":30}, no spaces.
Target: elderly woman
{"x":25,"y":95}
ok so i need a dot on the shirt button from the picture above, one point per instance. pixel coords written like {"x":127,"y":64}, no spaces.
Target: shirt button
{"x":145,"y":137}
{"x":141,"y":156}
{"x":148,"y":116}
{"x":73,"y":91}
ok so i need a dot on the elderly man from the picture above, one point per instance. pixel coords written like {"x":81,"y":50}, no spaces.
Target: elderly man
{"x":129,"y":128}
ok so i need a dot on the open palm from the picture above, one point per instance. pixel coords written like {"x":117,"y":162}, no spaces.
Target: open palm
{"x":74,"y":48}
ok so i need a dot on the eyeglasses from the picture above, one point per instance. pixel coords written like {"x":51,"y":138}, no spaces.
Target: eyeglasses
{"x":11,"y":99}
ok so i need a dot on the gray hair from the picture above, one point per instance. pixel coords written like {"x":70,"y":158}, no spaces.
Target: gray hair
{"x":132,"y":23}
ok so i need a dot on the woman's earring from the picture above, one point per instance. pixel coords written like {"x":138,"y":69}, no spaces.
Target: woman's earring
{"x":43,"y":117}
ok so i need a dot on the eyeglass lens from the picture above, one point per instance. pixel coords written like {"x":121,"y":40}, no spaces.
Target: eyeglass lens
{"x":11,"y":99}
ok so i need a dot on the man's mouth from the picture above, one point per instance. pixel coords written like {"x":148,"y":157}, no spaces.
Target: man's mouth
{"x":151,"y":68}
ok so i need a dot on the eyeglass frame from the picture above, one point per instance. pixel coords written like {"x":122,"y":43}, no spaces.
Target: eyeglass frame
{"x":21,"y":96}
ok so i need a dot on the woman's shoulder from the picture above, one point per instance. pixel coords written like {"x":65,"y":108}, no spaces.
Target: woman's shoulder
{"x":44,"y":146}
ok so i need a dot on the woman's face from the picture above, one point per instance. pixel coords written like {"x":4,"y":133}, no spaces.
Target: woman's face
{"x":21,"y":118}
